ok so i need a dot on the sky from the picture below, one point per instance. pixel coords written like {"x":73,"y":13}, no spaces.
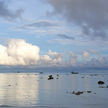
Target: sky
{"x":54,"y":33}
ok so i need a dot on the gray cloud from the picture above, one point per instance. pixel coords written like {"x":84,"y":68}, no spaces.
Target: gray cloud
{"x":8,"y":14}
{"x":19,"y":52}
{"x":40,"y":25}
{"x":65,"y":36}
{"x":99,"y":62}
{"x":46,"y":27}
{"x":43,"y":23}
{"x":90,"y":15}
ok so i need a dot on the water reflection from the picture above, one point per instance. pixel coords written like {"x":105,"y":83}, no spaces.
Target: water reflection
{"x":18,"y":89}
{"x":36,"y":91}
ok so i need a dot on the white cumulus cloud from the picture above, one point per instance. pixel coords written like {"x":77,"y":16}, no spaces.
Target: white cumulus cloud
{"x":51,"y":59}
{"x":85,"y":54}
{"x":18,"y":52}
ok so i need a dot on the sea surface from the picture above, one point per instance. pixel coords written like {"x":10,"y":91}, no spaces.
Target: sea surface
{"x":34,"y":90}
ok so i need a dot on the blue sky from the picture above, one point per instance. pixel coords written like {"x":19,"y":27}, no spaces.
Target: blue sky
{"x":66,"y":32}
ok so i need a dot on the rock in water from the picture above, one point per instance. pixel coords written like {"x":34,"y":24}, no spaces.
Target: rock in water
{"x":100,"y":82}
{"x":79,"y":92}
{"x":74,"y":72}
{"x":50,"y":77}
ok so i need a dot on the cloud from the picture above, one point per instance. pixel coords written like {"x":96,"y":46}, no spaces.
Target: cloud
{"x":48,"y":27}
{"x":99,"y":62}
{"x":43,"y":23}
{"x":18,"y":52}
{"x":63,"y":36}
{"x":52,"y":59}
{"x":39,"y":25}
{"x":85,"y":54}
{"x":91,"y":16}
{"x":90,"y":59}
{"x":44,"y":27}
{"x":54,"y":54}
{"x":73,"y":59}
{"x":56,"y":57}
{"x":7,"y":13}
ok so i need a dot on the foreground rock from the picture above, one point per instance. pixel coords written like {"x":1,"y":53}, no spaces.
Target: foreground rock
{"x":100,"y":82}
{"x":50,"y":77}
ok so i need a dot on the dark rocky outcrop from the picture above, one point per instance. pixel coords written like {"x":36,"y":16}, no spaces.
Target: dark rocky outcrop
{"x":74,"y":72}
{"x":50,"y":77}
{"x":101,"y":82}
{"x":88,"y":91}
{"x":41,"y":72}
{"x":77,"y":93}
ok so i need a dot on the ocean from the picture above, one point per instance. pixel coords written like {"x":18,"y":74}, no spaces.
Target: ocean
{"x":65,"y":90}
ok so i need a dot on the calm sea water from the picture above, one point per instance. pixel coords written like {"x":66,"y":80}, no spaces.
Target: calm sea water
{"x":34,"y":90}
